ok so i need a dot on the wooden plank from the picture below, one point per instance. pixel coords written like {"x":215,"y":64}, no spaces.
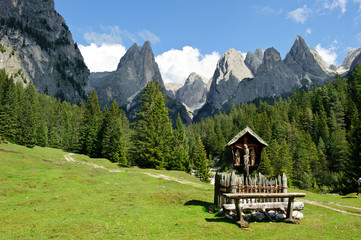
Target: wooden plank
{"x":263,"y":195}
{"x":265,"y":206}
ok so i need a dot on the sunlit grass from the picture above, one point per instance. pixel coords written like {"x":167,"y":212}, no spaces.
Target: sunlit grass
{"x":42,"y":196}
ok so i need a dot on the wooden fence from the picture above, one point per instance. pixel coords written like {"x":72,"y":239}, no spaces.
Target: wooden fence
{"x":234,"y":183}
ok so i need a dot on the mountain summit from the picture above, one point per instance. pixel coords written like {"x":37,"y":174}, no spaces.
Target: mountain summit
{"x":135,"y":69}
{"x":306,"y":63}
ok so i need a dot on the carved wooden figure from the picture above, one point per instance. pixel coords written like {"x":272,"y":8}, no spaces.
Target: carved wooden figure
{"x":247,"y":145}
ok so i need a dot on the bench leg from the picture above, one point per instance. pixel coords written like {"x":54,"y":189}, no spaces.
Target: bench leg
{"x":239,"y":220}
{"x":289,"y":218}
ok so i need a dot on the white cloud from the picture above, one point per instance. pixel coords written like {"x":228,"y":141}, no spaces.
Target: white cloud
{"x":148,"y":36}
{"x":176,"y":65}
{"x":102,"y":58}
{"x":110,"y":35}
{"x":308,"y":31}
{"x":300,"y":15}
{"x":335,"y":4}
{"x":328,"y":54}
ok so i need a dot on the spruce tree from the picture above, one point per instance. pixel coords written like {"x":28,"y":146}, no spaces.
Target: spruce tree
{"x":200,"y":161}
{"x":112,"y":141}
{"x":89,"y":142}
{"x":180,"y":155}
{"x":153,"y":130}
{"x":8,"y":108}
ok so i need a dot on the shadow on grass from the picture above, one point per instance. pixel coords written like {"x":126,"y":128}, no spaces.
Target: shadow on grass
{"x":349,"y":197}
{"x":207,"y":206}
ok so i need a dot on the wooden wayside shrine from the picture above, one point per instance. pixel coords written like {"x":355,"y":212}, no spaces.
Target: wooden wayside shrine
{"x":246,"y":150}
{"x":239,"y":192}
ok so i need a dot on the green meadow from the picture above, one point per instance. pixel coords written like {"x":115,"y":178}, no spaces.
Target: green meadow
{"x":48,"y":194}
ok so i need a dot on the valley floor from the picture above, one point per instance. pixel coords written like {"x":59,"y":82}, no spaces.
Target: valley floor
{"x":47,"y":193}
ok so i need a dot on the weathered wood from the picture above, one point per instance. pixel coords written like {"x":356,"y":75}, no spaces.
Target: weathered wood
{"x":265,"y":206}
{"x":290,"y":207}
{"x":235,"y":183}
{"x":284,"y":185}
{"x":263,"y":195}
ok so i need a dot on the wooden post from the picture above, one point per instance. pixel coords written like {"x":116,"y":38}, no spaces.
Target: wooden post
{"x":216,"y":190}
{"x":289,"y":218}
{"x":284,"y":185}
{"x":233,"y":183}
{"x":279,"y":187}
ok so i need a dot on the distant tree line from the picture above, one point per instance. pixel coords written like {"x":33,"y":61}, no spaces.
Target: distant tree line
{"x":313,"y":135}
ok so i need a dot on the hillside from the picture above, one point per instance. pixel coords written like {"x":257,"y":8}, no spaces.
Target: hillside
{"x":47,"y":193}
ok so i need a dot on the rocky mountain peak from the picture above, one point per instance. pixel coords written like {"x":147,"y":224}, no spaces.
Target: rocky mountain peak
{"x":355,"y":62}
{"x":194,"y":92}
{"x":306,"y":63}
{"x":351,"y":55}
{"x":254,"y":60}
{"x":271,"y":55}
{"x":231,"y":63}
{"x":135,"y":69}
{"x":195,"y":77}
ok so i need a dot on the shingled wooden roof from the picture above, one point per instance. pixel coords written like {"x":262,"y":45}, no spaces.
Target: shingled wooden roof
{"x":242,"y":133}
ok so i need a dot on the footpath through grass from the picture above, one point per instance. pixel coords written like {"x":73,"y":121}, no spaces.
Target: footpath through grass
{"x":44,"y":196}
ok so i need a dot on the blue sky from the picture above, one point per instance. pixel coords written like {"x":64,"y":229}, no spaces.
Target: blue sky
{"x":189,"y":36}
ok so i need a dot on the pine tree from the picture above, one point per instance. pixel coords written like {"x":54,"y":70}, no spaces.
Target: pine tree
{"x":180,"y":155}
{"x":112,"y":141}
{"x":8,"y":108}
{"x":29,"y":117}
{"x":153,"y":130}
{"x":89,"y":142}
{"x":266,"y":167}
{"x":200,"y":161}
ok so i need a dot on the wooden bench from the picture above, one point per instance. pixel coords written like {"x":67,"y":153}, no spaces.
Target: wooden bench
{"x":269,"y":205}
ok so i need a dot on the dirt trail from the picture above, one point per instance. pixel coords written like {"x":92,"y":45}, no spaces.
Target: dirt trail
{"x":175,"y":180}
{"x":319,"y":204}
{"x":72,"y":160}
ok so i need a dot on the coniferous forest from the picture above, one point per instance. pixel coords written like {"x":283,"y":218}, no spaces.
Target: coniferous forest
{"x":313,"y":135}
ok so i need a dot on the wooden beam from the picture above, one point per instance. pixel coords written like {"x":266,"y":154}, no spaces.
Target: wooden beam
{"x":263,"y":195}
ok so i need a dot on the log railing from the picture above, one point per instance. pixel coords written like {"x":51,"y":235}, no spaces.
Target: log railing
{"x":234,"y":183}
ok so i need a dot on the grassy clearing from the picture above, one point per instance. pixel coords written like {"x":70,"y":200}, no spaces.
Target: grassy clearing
{"x":43,"y":196}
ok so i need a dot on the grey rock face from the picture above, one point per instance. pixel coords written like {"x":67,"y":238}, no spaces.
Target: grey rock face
{"x":172,"y":89}
{"x":351,"y":56}
{"x":230,"y":71}
{"x":254,"y":60}
{"x":306,"y":63}
{"x":194,"y":91}
{"x":273,"y":78}
{"x":135,"y":69}
{"x":355,"y":62}
{"x":43,"y":45}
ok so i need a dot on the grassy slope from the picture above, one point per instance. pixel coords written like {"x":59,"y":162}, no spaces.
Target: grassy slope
{"x":43,"y":196}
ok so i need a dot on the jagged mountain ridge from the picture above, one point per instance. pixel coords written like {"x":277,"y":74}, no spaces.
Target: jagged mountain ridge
{"x":272,"y":76}
{"x":42,"y":49}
